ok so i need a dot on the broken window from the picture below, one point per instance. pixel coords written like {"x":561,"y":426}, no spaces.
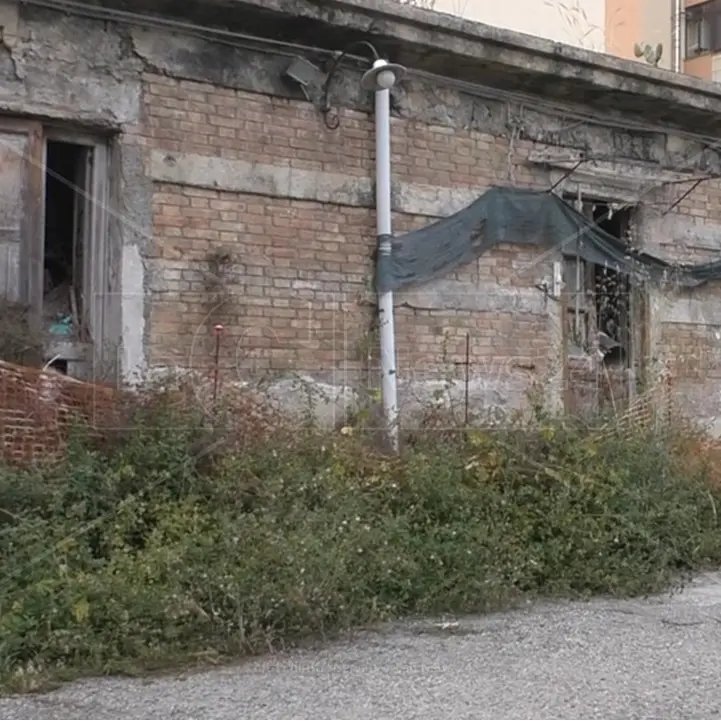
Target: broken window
{"x":598,"y":296}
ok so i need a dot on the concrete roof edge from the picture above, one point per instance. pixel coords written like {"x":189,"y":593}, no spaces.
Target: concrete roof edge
{"x":481,"y":32}
{"x":408,"y":25}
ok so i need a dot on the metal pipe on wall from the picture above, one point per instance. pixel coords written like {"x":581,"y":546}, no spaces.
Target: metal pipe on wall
{"x":381,"y":79}
{"x":677,"y":19}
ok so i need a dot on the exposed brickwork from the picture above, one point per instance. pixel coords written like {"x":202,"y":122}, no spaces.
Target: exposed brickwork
{"x":301,"y":277}
{"x":191,"y":117}
{"x":298,"y":297}
{"x":692,"y":352}
{"x":692,"y":355}
{"x":596,"y":387}
{"x":298,"y":287}
{"x":704,"y":203}
{"x":38,"y":409}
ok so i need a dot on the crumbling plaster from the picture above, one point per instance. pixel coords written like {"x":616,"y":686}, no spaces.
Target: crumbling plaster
{"x":423,"y":101}
{"x":48,"y":73}
{"x":66,"y":68}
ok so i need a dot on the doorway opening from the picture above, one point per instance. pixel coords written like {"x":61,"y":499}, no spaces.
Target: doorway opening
{"x":599,"y":296}
{"x":602,"y":326}
{"x":612,"y":290}
{"x":67,"y":239}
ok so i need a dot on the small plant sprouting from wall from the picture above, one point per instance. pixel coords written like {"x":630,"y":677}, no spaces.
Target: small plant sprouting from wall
{"x":366,"y":347}
{"x":579,"y":28}
{"x":650,"y":54}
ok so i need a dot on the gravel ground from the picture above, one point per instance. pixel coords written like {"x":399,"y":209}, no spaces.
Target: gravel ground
{"x":657,"y":658}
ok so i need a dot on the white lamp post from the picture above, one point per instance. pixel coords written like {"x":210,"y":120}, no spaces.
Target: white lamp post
{"x":380,"y":79}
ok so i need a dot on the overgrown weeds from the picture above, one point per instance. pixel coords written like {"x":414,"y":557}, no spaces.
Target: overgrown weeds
{"x":136,"y":554}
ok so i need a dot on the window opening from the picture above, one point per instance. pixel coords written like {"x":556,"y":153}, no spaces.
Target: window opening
{"x":703,"y":28}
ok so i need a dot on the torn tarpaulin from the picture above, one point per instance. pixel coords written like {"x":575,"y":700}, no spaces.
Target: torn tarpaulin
{"x":510,"y":215}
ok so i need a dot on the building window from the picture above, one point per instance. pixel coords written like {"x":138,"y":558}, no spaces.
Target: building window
{"x":703,"y":28}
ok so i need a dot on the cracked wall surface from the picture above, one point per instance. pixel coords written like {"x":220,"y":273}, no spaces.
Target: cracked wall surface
{"x":217,"y":155}
{"x":67,"y":68}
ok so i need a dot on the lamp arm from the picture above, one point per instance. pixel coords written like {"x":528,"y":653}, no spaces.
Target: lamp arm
{"x":326,"y":108}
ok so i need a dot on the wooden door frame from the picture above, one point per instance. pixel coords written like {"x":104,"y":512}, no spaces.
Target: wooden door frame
{"x":32,"y":236}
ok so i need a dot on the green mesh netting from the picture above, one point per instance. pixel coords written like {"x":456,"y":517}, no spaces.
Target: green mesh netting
{"x":510,"y":215}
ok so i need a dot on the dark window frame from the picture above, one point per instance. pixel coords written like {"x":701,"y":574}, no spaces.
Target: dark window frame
{"x":703,"y":28}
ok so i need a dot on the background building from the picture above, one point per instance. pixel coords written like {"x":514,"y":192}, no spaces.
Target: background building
{"x":703,"y":39}
{"x":689,"y":31}
{"x":575,"y":22}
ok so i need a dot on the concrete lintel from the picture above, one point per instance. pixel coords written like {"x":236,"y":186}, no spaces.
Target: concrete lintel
{"x":477,"y":297}
{"x":590,"y":187}
{"x":631,"y":173}
{"x":689,"y":310}
{"x":285,"y":181}
{"x":96,"y":121}
{"x":432,"y":200}
{"x":240,"y":176}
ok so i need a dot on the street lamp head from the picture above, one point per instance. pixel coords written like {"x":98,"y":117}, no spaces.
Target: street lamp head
{"x":382,"y":76}
{"x":385,"y":79}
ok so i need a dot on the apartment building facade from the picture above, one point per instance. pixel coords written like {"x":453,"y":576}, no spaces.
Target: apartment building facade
{"x":702,"y":47}
{"x":687,"y":32}
{"x":689,"y":29}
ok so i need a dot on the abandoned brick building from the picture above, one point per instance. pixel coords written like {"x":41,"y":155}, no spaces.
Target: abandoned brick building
{"x":164,"y":171}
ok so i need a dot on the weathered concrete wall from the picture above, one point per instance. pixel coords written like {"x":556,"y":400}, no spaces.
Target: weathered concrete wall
{"x":238,"y":206}
{"x":67,"y":68}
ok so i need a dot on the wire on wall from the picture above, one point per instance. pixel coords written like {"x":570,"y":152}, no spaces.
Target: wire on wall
{"x":282,"y":47}
{"x":290,"y":49}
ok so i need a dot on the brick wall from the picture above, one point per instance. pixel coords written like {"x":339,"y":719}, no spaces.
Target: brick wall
{"x":297,"y":290}
{"x":300,"y":280}
{"x":689,"y":345}
{"x":38,"y":410}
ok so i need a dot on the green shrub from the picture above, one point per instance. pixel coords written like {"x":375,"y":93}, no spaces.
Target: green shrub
{"x":138,"y":554}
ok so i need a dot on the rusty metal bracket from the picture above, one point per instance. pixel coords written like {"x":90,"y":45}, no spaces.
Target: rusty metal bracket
{"x":569,"y":172}
{"x":688,"y":192}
